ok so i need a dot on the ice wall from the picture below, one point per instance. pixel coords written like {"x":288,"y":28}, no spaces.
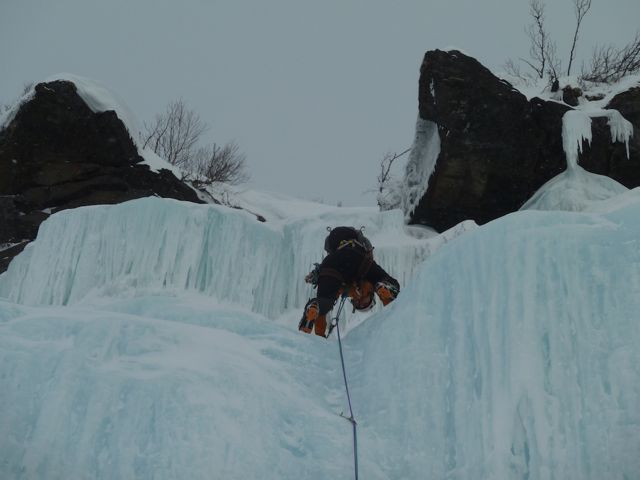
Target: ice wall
{"x":513,"y":355}
{"x":169,"y":388}
{"x":161,"y":244}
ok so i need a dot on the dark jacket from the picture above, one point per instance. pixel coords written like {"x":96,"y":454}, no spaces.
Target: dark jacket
{"x":345,"y":264}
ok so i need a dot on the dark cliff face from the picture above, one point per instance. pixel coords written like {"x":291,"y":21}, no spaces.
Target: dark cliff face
{"x":56,"y":154}
{"x":607,"y":158}
{"x":498,"y":148}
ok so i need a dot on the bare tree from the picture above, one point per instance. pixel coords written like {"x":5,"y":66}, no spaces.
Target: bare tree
{"x":581,"y":8}
{"x":609,"y":64}
{"x":385,"y":168}
{"x":553,"y":62}
{"x":512,"y":68}
{"x":539,"y":38}
{"x":175,"y":133}
{"x":542,"y":51}
{"x":217,"y":163}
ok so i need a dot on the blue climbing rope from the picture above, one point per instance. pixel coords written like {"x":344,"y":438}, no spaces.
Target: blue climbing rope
{"x":350,"y":418}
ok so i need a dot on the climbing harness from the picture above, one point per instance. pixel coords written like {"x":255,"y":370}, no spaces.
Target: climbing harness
{"x":335,"y":324}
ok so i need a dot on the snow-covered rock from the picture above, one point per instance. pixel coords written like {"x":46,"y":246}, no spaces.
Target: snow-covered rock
{"x":495,"y":146}
{"x":69,"y":142}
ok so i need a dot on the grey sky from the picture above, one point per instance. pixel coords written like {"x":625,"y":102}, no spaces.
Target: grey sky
{"x":314,"y":92}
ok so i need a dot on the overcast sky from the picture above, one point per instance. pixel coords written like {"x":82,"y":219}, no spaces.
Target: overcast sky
{"x":314,"y":92}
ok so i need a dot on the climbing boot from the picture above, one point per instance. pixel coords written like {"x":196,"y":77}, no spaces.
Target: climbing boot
{"x":362,"y":297}
{"x":387,"y":291}
{"x":321,"y":326}
{"x":309,"y":317}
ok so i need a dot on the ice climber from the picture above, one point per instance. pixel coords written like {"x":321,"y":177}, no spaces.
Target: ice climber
{"x":348,"y":267}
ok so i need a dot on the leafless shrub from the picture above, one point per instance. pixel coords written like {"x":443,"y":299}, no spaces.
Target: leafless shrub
{"x":543,"y":52}
{"x":513,"y":68}
{"x":217,"y":163}
{"x":385,"y":168}
{"x":174,"y":134}
{"x":388,"y":187}
{"x":609,"y":64}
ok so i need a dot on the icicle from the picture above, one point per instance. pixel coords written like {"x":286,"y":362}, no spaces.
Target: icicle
{"x":576,"y":127}
{"x":621,"y":128}
{"x":421,"y":164}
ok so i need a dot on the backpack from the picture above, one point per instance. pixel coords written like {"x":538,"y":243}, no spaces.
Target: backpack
{"x":341,"y":237}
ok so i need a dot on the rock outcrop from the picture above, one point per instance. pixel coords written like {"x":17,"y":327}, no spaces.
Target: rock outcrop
{"x":57,"y":153}
{"x":497,"y":148}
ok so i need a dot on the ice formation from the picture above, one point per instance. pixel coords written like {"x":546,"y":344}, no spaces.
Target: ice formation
{"x":167,"y":244}
{"x":157,"y":339}
{"x":576,"y":189}
{"x":422,"y":161}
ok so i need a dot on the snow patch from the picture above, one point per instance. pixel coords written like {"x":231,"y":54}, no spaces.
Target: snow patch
{"x":452,"y":48}
{"x":270,"y":205}
{"x":7,"y":116}
{"x":6,"y":246}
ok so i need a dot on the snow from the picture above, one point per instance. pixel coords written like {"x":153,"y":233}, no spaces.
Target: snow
{"x":451,"y":48}
{"x":157,"y":339}
{"x":272,"y":206}
{"x":608,"y":91}
{"x":541,"y":88}
{"x":6,"y":116}
{"x":6,"y":246}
